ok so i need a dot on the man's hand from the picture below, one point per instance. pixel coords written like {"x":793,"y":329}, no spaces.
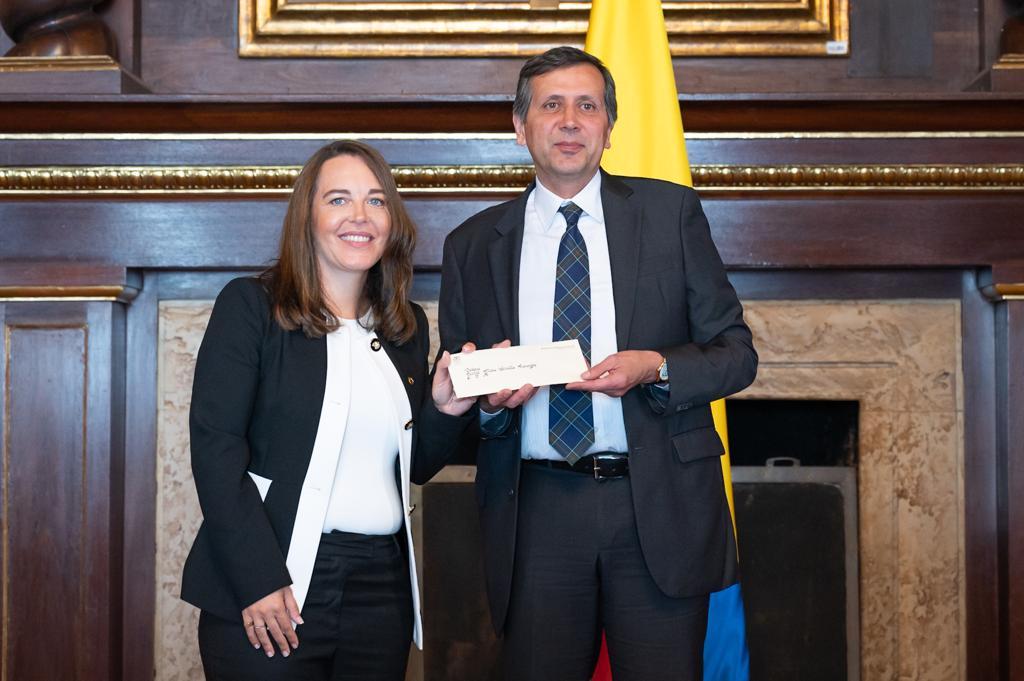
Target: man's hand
{"x":506,"y":399}
{"x":443,"y":392}
{"x":271,"y":617}
{"x":619,"y":373}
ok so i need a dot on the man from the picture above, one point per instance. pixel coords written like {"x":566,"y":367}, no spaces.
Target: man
{"x":601,"y":502}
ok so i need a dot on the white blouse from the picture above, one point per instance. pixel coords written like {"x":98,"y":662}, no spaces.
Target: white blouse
{"x":365,"y":496}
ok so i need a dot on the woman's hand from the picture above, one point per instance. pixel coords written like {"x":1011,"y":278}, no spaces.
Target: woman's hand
{"x":442,"y":390}
{"x":271,"y":617}
{"x":508,"y":398}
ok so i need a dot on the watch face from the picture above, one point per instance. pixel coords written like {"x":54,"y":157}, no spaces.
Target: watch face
{"x":663,"y":371}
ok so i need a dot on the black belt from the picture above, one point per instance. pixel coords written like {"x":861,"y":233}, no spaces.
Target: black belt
{"x":603,"y":466}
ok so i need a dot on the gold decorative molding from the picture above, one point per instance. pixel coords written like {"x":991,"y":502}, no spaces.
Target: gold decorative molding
{"x":502,"y":179}
{"x":861,"y":177}
{"x":48,"y":64}
{"x":469,"y":28}
{"x":50,"y":294}
{"x":1009,"y":62}
{"x":102,"y":180}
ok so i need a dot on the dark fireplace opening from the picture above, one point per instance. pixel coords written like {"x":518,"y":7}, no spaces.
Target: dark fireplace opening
{"x":794,"y":482}
{"x":814,"y":432}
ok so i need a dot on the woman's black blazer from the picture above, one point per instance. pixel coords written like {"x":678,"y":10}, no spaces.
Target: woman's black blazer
{"x":256,"y":404}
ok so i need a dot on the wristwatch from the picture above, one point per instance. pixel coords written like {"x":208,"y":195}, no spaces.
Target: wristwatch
{"x":663,"y":370}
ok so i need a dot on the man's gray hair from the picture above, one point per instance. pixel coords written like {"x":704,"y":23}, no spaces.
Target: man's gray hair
{"x":559,"y":58}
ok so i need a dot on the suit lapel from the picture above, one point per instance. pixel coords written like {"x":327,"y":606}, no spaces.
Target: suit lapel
{"x":623,"y":220}
{"x":503,"y":254}
{"x":315,"y":494}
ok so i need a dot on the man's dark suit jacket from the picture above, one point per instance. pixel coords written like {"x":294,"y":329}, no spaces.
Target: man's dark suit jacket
{"x":256,"y":406}
{"x":671,"y":295}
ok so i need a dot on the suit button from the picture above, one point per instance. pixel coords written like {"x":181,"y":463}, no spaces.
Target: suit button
{"x":409,"y":380}
{"x":375,"y":345}
{"x":511,"y":492}
{"x":408,"y":424}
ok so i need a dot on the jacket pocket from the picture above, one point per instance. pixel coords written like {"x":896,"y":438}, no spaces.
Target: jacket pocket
{"x":699,"y":443}
{"x":262,"y":484}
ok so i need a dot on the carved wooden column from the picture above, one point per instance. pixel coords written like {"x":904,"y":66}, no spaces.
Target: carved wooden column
{"x":61,"y":47}
{"x":55,"y":28}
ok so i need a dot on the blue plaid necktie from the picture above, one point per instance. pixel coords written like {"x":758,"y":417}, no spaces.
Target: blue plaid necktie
{"x":571,"y":412}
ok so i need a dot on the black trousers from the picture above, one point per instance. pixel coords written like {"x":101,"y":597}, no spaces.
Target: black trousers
{"x":358,"y":620}
{"x":579,"y":569}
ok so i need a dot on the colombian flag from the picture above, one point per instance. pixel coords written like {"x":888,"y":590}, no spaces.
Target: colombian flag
{"x":647,"y":141}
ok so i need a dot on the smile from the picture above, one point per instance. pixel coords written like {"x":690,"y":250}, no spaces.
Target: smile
{"x":356,"y":238}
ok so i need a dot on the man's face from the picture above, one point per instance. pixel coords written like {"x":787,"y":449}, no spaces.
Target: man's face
{"x":566,"y":127}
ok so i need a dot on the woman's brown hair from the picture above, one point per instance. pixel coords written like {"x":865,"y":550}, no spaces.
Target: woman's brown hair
{"x":294,"y":284}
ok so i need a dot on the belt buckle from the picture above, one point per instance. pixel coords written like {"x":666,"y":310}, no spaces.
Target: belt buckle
{"x":597,"y":470}
{"x":611,"y":459}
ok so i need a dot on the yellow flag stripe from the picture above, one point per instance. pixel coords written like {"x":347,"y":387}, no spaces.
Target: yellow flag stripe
{"x":647,"y":141}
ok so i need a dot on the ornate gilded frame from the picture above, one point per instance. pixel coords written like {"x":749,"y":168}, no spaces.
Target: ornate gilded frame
{"x":496,"y":28}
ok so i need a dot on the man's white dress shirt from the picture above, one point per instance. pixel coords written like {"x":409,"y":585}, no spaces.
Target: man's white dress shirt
{"x":543,"y":230}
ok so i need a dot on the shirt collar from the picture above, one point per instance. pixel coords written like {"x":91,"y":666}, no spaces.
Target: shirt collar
{"x":547,"y":203}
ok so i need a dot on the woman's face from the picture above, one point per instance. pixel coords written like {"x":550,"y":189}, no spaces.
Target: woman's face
{"x":351,"y":222}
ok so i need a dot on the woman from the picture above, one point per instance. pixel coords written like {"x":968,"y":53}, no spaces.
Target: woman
{"x":310,"y":415}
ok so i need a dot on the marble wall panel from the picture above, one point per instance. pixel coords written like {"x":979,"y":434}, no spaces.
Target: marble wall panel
{"x":909,"y":351}
{"x":182,"y":324}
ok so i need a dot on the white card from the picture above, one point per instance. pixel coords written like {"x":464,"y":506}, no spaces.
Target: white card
{"x":487,"y":371}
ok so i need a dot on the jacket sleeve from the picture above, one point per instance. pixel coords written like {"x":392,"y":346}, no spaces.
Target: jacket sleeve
{"x":437,"y":434}
{"x":223,"y":393}
{"x":721,"y":359}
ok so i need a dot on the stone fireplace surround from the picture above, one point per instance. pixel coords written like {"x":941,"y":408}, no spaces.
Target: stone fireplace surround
{"x":900,"y":359}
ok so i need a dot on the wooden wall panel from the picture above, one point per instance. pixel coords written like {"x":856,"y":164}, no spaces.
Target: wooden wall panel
{"x":795,"y":232}
{"x":897,"y":36}
{"x":62,"y":504}
{"x":1010,"y":445}
{"x":44,"y":497}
